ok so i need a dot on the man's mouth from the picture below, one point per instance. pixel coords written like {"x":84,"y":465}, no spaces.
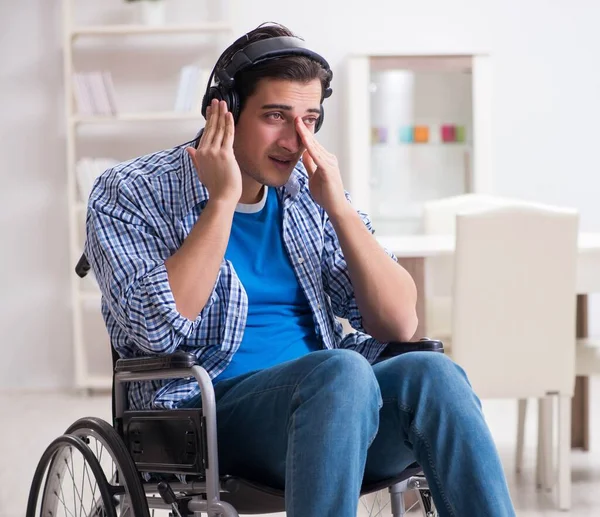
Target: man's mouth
{"x":281,"y":162}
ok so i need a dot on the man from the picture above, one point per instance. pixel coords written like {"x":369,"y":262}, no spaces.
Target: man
{"x":243,"y":249}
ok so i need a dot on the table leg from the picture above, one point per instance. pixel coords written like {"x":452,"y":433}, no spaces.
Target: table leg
{"x":580,"y":405}
{"x":416,"y":269}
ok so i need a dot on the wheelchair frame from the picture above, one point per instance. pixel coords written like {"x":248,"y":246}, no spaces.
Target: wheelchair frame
{"x":136,"y":437}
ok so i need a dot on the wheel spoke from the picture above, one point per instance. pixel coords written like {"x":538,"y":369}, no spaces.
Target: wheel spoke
{"x":413,"y":505}
{"x":375,"y":497}
{"x":62,"y":500}
{"x":83,"y":483}
{"x":75,"y":491}
{"x":93,"y":489}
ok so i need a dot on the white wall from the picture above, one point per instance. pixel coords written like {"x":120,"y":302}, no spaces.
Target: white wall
{"x":546,"y":113}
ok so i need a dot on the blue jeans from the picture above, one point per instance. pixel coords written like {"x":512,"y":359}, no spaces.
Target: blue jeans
{"x":321,"y":425}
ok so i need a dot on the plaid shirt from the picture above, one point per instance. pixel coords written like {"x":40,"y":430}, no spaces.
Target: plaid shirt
{"x":140,"y":212}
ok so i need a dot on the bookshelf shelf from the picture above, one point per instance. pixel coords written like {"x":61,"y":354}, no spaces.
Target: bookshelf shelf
{"x":145,"y":116}
{"x":124,"y":29}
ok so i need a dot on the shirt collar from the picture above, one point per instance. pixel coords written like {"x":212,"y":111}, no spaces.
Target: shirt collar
{"x":194,"y":193}
{"x":297,"y":181}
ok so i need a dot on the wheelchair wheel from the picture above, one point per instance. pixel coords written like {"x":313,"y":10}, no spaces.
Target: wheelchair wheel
{"x":418,"y":503}
{"x":124,"y":480}
{"x":69,"y":481}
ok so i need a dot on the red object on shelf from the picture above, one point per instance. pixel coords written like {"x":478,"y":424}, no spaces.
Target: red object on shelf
{"x":448,"y":133}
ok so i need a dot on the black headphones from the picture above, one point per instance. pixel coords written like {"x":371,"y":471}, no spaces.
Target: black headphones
{"x":252,"y":54}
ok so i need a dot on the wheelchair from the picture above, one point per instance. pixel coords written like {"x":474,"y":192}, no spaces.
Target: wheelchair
{"x":165,"y":462}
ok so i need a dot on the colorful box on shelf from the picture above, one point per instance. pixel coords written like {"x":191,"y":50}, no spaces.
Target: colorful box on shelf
{"x":448,"y":133}
{"x":421,"y":134}
{"x":379,"y":135}
{"x":405,"y":134}
{"x":453,"y":133}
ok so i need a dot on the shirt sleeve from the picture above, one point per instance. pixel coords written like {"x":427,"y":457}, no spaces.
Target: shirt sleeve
{"x":127,"y":256}
{"x":336,"y":278}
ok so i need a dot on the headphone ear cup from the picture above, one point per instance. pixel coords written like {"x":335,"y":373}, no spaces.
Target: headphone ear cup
{"x":233,"y":104}
{"x":213,"y":93}
{"x":320,"y":120}
{"x":229,"y":96}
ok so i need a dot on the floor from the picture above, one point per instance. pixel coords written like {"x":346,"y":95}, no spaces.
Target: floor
{"x":31,"y":421}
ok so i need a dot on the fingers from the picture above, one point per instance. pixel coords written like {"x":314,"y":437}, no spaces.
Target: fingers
{"x":216,"y":125}
{"x":208,"y":135}
{"x":229,"y":131}
{"x":317,"y":152}
{"x":220,"y":113}
{"x":309,"y":163}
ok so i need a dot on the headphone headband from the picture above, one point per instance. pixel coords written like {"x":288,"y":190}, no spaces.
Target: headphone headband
{"x":265,"y":50}
{"x":252,"y":54}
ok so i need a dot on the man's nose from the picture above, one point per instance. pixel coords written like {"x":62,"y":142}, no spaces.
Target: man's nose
{"x":289,"y":139}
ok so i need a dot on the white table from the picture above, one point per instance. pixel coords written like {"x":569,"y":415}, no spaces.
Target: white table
{"x":412,"y":250}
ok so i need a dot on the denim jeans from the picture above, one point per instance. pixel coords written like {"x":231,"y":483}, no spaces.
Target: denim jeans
{"x":321,"y":425}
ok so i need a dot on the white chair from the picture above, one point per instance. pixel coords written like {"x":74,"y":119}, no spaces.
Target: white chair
{"x":439,"y":218}
{"x":514,"y":309}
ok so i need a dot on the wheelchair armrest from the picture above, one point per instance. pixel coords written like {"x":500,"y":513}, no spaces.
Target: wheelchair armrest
{"x":423,"y":345}
{"x":172,"y":361}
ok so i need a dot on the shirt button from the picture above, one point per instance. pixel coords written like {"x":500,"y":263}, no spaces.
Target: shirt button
{"x":319,"y":306}
{"x":300,"y":260}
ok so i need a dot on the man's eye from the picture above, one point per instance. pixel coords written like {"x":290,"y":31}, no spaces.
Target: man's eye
{"x":311,"y":121}
{"x":274,"y":116}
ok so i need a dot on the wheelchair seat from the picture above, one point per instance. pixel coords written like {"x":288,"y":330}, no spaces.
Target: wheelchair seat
{"x":248,"y":497}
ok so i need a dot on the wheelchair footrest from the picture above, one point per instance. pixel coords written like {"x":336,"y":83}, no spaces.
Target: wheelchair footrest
{"x":166,"y":441}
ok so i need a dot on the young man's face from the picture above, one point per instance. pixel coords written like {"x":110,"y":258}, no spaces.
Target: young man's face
{"x":267,"y":145}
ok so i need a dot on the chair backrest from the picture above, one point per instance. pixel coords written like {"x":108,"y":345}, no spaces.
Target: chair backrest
{"x":514,"y":300}
{"x":439,"y":218}
{"x":439,"y":215}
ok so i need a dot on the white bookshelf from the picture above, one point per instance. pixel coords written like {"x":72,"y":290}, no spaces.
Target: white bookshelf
{"x":85,"y":295}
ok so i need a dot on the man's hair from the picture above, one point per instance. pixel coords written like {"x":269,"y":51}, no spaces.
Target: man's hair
{"x":292,"y":68}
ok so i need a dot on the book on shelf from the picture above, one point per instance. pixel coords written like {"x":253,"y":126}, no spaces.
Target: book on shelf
{"x":94,"y":93}
{"x":88,"y":170}
{"x":191,"y":88}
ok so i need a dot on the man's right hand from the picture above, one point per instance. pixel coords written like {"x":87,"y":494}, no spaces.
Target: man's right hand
{"x":214,"y":159}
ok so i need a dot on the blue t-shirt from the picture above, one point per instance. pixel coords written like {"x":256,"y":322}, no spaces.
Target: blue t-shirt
{"x":280,"y":324}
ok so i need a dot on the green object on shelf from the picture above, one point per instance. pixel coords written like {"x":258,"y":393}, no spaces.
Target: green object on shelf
{"x":459,"y":134}
{"x":406,"y":134}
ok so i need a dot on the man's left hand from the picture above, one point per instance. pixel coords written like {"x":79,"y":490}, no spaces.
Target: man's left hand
{"x":324,"y":178}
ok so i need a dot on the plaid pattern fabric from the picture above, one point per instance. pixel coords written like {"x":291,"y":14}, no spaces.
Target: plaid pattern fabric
{"x":140,"y":212}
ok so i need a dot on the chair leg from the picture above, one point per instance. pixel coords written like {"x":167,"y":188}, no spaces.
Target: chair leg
{"x":547,"y":444}
{"x":520,"y":434}
{"x":545,"y":454}
{"x":564,"y":452}
{"x":540,"y":464}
